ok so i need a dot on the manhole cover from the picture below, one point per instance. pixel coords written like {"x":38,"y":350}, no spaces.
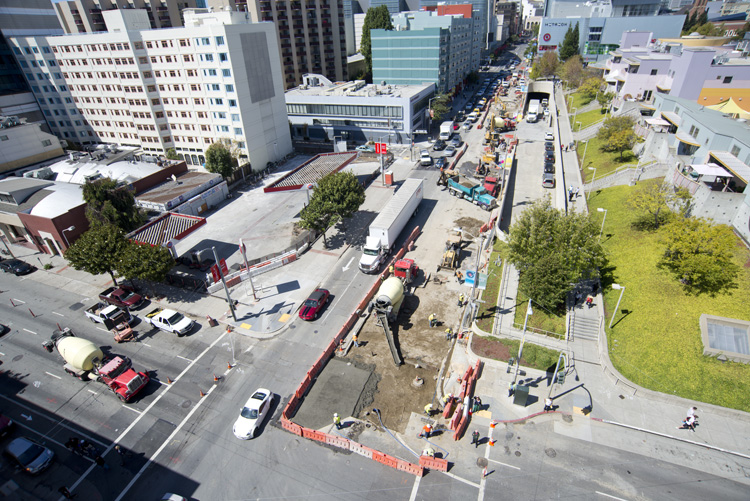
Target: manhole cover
{"x":17,"y":358}
{"x":75,"y":306}
{"x":482,"y":462}
{"x":294,"y":327}
{"x":518,"y":454}
{"x":567,"y":418}
{"x":186,"y":404}
{"x":550,"y":452}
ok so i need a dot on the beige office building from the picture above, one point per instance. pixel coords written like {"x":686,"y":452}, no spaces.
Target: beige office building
{"x":86,"y":16}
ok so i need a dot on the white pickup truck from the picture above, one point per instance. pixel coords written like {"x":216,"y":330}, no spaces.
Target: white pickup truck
{"x":102,"y":312}
{"x":170,"y":321}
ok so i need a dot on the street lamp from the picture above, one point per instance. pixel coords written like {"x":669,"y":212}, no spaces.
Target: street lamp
{"x":529,"y":312}
{"x":599,"y":209}
{"x":621,"y":288}
{"x":583,"y":160}
{"x":70,"y":228}
{"x":592,"y":179}
{"x":579,"y":125}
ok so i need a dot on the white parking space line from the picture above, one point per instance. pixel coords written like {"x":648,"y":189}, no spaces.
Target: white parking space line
{"x":103,"y":330}
{"x":610,"y":496}
{"x":92,"y":391}
{"x":58,"y":377}
{"x":18,"y":301}
{"x":131,"y":409}
{"x":456,"y":477}
{"x":145,"y":344}
{"x":58,"y":314}
{"x":178,"y":356}
{"x":415,"y":488}
{"x":508,"y":465}
{"x":31,"y":332}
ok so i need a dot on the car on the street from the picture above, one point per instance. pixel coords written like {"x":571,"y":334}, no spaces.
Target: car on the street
{"x":32,"y":457}
{"x":440,"y":163}
{"x":482,"y":101}
{"x":549,"y":168}
{"x":549,"y":146}
{"x":16,"y":266}
{"x":313,"y":304}
{"x":3,"y":329}
{"x":439,"y":145}
{"x":366,"y":148}
{"x":252,"y":414}
{"x":549,"y":156}
{"x":425,"y":158}
{"x":450,"y":151}
{"x":467,"y":125}
{"x":548,"y":180}
{"x":456,"y":141}
{"x":549,"y":136}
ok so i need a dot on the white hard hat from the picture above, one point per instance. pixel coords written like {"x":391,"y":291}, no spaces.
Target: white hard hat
{"x":335,"y":414}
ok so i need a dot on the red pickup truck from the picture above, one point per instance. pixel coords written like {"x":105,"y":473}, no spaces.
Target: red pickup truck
{"x":123,"y":296}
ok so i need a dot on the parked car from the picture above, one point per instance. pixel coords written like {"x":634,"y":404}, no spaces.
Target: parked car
{"x":252,"y":414}
{"x":366,"y":148}
{"x":548,"y":180}
{"x":313,"y":304}
{"x":439,"y":145}
{"x":549,"y":136}
{"x":29,"y":455}
{"x":549,"y":156}
{"x":456,"y":141}
{"x":16,"y":266}
{"x":549,"y":146}
{"x":467,"y":125}
{"x":3,"y":329}
{"x":549,"y":168}
{"x":440,"y":163}
{"x":425,"y":158}
{"x":450,"y":151}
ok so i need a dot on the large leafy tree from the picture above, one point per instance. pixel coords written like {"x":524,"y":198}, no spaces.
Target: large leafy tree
{"x":604,"y":98}
{"x":145,"y":262}
{"x":219,"y":159}
{"x":654,"y":204}
{"x":546,"y":66}
{"x":572,"y":71}
{"x":617,"y":134}
{"x":553,"y":251}
{"x":700,"y":254}
{"x":569,"y":47}
{"x":337,"y":196}
{"x":107,"y":203}
{"x":441,"y":106}
{"x":172,"y":154}
{"x":376,"y":18}
{"x":689,"y":23}
{"x":591,"y":87}
{"x":98,"y":251}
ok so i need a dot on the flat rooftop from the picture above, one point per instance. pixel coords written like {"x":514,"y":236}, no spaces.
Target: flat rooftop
{"x":170,"y":190}
{"x":358,"y":88}
{"x":312,"y":171}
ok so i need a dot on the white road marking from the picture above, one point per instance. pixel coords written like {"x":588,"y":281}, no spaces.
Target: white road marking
{"x":184,"y":358}
{"x":131,"y":409}
{"x":415,"y":488}
{"x":31,"y":332}
{"x":508,"y":465}
{"x":145,"y":344}
{"x":610,"y":496}
{"x":104,"y":330}
{"x":58,"y":314}
{"x":92,"y":391}
{"x":58,"y":377}
{"x":456,"y":477}
{"x":2,"y":354}
{"x":18,"y":301}
{"x":164,"y":444}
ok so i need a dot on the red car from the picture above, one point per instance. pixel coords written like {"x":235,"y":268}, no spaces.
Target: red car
{"x":123,"y":296}
{"x":312,"y":306}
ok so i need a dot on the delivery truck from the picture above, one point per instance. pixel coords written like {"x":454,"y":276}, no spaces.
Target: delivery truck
{"x":532,"y":115}
{"x":446,"y":130}
{"x":387,"y":226}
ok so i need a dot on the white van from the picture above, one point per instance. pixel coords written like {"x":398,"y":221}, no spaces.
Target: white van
{"x":425,"y":158}
{"x":473,"y":117}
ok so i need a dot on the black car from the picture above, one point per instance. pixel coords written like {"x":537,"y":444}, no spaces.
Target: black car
{"x":440,"y":162}
{"x":439,"y":145}
{"x":549,"y":146}
{"x":549,"y":156}
{"x":549,"y":168}
{"x":16,"y":266}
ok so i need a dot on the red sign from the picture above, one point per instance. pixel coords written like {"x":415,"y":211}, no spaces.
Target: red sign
{"x":224,"y":269}
{"x":381,"y":148}
{"x":547,"y":37}
{"x":215,"y":270}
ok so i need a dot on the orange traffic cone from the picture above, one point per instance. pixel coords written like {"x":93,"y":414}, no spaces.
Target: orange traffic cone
{"x":169,"y":381}
{"x":215,"y":378}
{"x":229,"y":365}
{"x":202,"y":394}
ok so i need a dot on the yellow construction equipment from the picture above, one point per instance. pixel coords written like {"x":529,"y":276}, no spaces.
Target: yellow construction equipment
{"x":452,"y":252}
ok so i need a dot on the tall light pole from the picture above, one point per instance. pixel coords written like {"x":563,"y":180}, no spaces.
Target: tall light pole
{"x":592,"y":180}
{"x":599,"y":209}
{"x":529,"y":312}
{"x":224,"y":283}
{"x":583,"y":160}
{"x":244,"y":257}
{"x":69,"y":228}
{"x":621,"y":288}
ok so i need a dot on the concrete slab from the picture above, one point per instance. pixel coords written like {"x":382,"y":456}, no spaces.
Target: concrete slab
{"x":338,"y":389}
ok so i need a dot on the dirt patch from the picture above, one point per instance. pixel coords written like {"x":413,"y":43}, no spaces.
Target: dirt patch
{"x":470,"y":225}
{"x":489,"y":348}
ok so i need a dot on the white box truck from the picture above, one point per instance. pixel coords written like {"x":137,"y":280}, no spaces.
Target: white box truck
{"x":533,"y":114}
{"x":446,"y":130}
{"x":387,"y":226}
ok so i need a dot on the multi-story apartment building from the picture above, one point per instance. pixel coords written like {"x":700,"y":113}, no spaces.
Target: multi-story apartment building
{"x":480,"y":13}
{"x":218,"y":78}
{"x":86,"y":16}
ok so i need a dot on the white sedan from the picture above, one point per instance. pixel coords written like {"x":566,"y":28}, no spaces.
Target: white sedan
{"x":252,"y":414}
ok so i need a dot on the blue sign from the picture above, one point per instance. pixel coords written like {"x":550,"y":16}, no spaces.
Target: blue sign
{"x":470,"y":275}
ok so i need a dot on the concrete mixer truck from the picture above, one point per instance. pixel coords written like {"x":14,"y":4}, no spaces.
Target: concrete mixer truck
{"x":84,"y":360}
{"x":386,"y":303}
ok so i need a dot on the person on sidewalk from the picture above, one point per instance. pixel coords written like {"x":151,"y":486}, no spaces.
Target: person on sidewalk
{"x":426,"y":431}
{"x":432,"y":319}
{"x":122,"y":453}
{"x":589,"y":301}
{"x":578,"y":190}
{"x":355,"y":339}
{"x":475,"y":438}
{"x":337,"y":420}
{"x":477,"y":405}
{"x":688,"y":423}
{"x":691,"y":411}
{"x":547,"y":404}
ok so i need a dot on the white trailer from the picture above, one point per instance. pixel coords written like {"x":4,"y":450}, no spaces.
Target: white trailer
{"x":386,"y":228}
{"x":446,"y":130}
{"x":533,"y":114}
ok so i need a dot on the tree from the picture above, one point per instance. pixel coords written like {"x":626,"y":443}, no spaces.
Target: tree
{"x":700,"y":254}
{"x":98,"y":251}
{"x":546,"y":66}
{"x":591,"y":87}
{"x":655,"y":201}
{"x":337,"y":196}
{"x":689,"y":22}
{"x":219,"y":159}
{"x":604,"y":98}
{"x":617,"y":134}
{"x":145,"y":262}
{"x":376,"y":18}
{"x":741,"y":32}
{"x":530,"y":51}
{"x":711,"y":30}
{"x":572,"y":72}
{"x":569,"y":47}
{"x":107,"y":203}
{"x":441,"y":106}
{"x":172,"y":154}
{"x":553,"y":251}
{"x":702,"y":18}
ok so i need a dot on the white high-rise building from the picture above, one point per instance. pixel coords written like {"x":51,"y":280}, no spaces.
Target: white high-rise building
{"x":216,"y":78}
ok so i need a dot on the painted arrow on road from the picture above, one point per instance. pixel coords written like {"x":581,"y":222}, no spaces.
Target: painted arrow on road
{"x":347,"y":265}
{"x":27,"y":418}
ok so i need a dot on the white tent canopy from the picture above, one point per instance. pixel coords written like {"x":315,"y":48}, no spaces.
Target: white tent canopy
{"x":710,"y":170}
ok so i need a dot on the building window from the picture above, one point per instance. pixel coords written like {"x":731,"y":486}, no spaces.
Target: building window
{"x":653,"y":72}
{"x":223,"y":57}
{"x":219,"y":40}
{"x":229,"y":88}
{"x":735,"y":151}
{"x":232,"y":103}
{"x":237,"y":131}
{"x":727,"y":80}
{"x":223,"y":128}
{"x":226,"y":73}
{"x":235,"y":117}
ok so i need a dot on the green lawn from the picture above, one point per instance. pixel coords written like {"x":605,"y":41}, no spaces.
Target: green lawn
{"x":586,"y":118}
{"x":605,"y":162}
{"x":540,"y":319}
{"x":486,"y":314}
{"x":655,"y":341}
{"x":576,"y":100}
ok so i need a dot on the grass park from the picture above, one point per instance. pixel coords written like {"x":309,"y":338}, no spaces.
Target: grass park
{"x":606,"y":162}
{"x":655,"y":340}
{"x":582,"y":120}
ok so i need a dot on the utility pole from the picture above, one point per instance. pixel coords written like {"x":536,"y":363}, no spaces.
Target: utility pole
{"x":244,"y":258}
{"x":224,"y":283}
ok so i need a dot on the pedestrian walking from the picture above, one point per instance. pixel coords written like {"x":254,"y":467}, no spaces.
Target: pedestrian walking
{"x":579,"y":296}
{"x":432,"y":319}
{"x":355,"y":339}
{"x":448,"y":334}
{"x":688,"y":423}
{"x":66,"y":493}
{"x":122,"y":453}
{"x":101,"y":463}
{"x":691,"y":411}
{"x":547,"y":404}
{"x":337,"y":420}
{"x":578,"y":190}
{"x":426,"y":431}
{"x":475,"y":438}
{"x":461,"y":300}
